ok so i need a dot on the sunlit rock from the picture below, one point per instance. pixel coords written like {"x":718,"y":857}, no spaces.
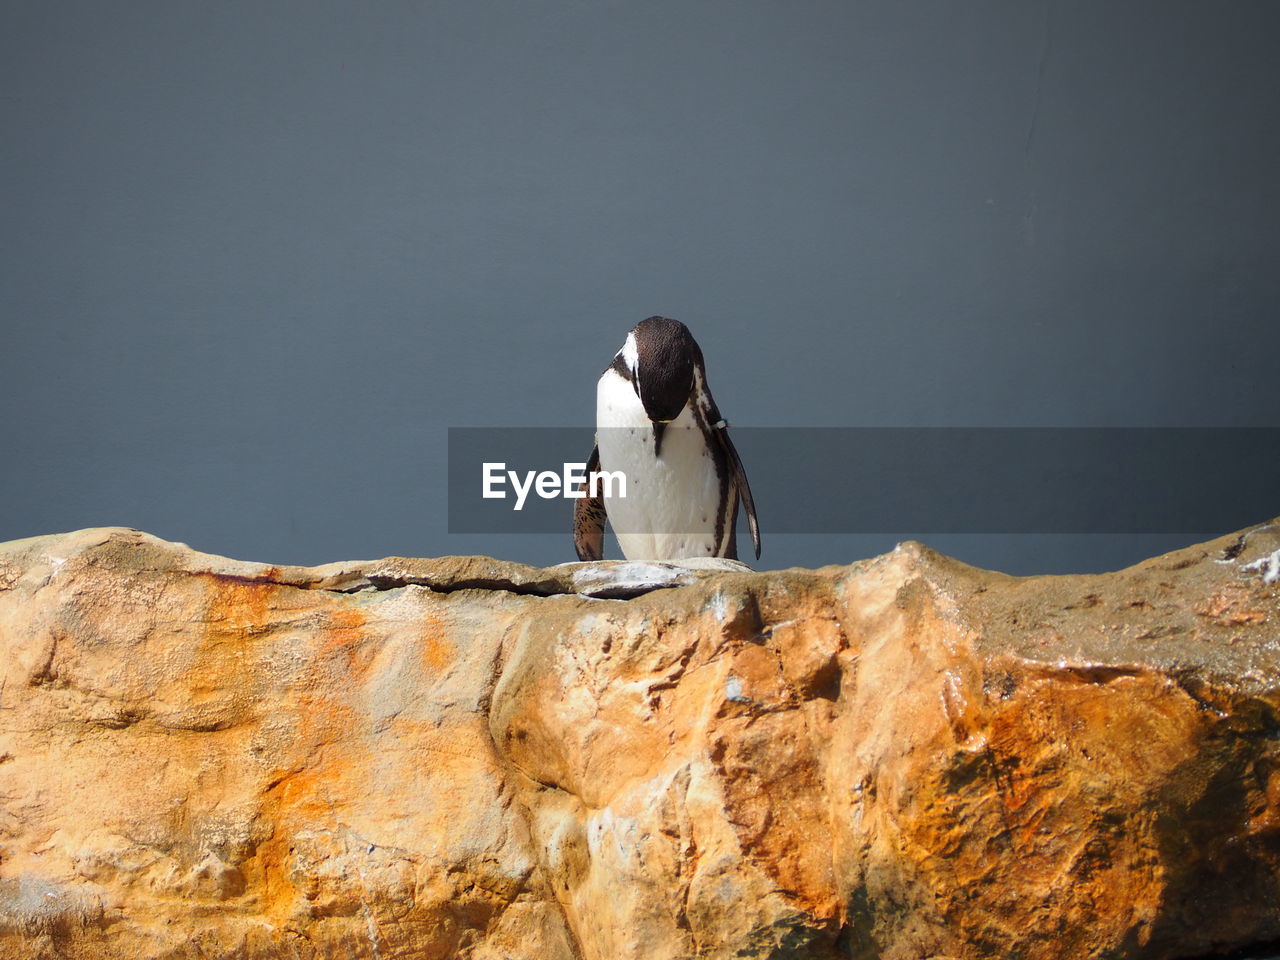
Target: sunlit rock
{"x":461,"y":757}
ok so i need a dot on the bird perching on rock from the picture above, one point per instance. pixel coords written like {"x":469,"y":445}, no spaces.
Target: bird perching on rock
{"x":657,"y":423}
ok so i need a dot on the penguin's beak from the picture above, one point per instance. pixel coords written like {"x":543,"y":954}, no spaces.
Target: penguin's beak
{"x":659,"y":427}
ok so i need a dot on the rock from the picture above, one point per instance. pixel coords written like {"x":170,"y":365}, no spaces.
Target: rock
{"x":462,"y":757}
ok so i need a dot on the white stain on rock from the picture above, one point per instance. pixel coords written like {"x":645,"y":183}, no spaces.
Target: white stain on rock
{"x":1268,"y":566}
{"x":733,"y":690}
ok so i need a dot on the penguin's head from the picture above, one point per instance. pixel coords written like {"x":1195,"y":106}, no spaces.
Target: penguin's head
{"x":661,"y":354}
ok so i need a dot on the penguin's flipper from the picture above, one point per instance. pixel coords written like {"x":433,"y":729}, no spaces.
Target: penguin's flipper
{"x":589,"y":516}
{"x":740,"y":482}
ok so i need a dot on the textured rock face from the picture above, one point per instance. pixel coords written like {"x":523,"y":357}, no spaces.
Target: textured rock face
{"x":902,"y":758}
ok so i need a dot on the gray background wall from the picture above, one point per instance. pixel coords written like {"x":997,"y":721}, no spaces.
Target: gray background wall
{"x":255,"y":258}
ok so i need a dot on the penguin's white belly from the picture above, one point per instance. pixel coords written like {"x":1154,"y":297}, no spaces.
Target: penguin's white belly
{"x":673,"y":501}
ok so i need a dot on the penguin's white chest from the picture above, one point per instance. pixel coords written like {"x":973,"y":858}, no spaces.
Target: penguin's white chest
{"x":675,"y":504}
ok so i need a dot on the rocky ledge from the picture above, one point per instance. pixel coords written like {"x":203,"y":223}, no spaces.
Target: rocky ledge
{"x":903,"y":758}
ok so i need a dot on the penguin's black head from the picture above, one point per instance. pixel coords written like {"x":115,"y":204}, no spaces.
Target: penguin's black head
{"x":662,"y":369}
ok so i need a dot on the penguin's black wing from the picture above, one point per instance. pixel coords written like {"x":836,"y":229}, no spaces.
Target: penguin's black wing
{"x":589,"y":515}
{"x":719,"y":429}
{"x":721,"y":432}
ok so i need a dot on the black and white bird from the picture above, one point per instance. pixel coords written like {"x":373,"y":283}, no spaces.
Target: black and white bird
{"x":657,"y":423}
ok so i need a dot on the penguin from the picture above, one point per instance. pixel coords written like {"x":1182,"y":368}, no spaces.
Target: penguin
{"x":657,"y":423}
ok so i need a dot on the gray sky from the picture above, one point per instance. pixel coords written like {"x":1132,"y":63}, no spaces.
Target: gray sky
{"x":257,"y":258}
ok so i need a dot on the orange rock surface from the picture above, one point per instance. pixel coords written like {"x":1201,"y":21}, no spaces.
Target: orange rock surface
{"x":902,"y":758}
